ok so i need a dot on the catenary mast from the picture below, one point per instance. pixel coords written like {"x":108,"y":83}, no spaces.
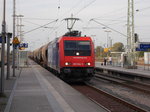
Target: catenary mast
{"x":130,"y":34}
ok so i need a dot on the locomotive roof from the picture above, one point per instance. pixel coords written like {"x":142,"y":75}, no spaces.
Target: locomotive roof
{"x":74,"y":38}
{"x":74,"y":33}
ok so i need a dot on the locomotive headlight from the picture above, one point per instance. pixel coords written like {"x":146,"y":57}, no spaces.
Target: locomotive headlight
{"x":66,"y":63}
{"x":88,"y":64}
{"x":77,"y":53}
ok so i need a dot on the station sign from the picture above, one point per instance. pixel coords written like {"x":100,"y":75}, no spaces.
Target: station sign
{"x":141,"y":49}
{"x":23,"y":45}
{"x":1,"y":39}
{"x":144,"y":46}
{"x":15,"y":41}
{"x":21,"y":48}
{"x":107,"y":49}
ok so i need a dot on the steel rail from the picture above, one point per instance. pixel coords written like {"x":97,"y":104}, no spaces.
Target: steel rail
{"x":128,"y":83}
{"x":128,"y":104}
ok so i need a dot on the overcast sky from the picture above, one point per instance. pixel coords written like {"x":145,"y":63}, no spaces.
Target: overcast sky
{"x":112,"y":13}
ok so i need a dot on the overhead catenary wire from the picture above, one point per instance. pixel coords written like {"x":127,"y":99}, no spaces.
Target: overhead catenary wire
{"x":79,"y":10}
{"x":59,"y":17}
{"x":109,"y":27}
{"x":116,"y":11}
{"x":116,"y":23}
{"x":112,"y":13}
{"x":40,"y":26}
{"x":32,"y":23}
{"x":77,"y":4}
{"x":143,"y":9}
{"x":113,"y":21}
{"x":36,"y":24}
{"x":85,"y":6}
{"x":57,"y":27}
{"x":53,"y":27}
{"x":59,"y":6}
{"x":110,"y":19}
{"x":138,"y":10}
{"x":62,"y":15}
{"x":39,"y":19}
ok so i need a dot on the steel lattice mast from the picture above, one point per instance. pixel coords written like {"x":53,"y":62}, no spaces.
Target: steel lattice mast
{"x":130,"y":32}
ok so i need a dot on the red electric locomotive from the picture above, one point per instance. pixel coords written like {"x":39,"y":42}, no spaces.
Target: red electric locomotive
{"x":72,"y":57}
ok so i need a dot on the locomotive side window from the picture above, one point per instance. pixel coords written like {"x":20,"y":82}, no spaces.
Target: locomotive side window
{"x":77,"y":48}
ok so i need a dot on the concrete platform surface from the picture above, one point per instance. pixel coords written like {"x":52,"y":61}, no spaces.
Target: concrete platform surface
{"x":139,"y":71}
{"x":8,"y":87}
{"x":37,"y":90}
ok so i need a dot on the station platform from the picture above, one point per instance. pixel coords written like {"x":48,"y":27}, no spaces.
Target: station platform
{"x":140,"y":71}
{"x":37,"y":90}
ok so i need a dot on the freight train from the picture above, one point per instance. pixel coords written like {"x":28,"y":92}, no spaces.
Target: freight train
{"x":70,"y":56}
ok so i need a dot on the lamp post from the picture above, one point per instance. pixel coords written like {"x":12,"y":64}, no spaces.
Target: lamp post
{"x":107,"y":31}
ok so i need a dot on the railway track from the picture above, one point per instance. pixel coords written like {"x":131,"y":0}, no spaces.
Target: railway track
{"x":143,"y":87}
{"x":107,"y":100}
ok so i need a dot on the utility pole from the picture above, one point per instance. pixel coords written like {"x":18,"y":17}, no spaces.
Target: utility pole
{"x":130,"y":34}
{"x":3,"y":50}
{"x":14,"y":23}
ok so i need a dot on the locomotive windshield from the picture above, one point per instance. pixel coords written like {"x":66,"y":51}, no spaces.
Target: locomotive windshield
{"x":77,"y":48}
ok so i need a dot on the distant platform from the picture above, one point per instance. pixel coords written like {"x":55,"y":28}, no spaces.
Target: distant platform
{"x":137,"y":72}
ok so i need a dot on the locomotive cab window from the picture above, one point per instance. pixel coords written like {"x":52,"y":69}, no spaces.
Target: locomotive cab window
{"x":77,"y":48}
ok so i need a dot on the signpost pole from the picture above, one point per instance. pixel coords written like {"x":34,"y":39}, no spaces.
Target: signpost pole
{"x":9,"y":35}
{"x":14,"y":23}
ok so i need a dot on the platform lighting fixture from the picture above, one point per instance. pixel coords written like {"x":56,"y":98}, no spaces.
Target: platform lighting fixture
{"x":107,"y":31}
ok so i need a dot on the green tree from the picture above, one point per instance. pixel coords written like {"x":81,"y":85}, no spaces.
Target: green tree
{"x":99,"y":51}
{"x":117,"y":47}
{"x":140,"y":53}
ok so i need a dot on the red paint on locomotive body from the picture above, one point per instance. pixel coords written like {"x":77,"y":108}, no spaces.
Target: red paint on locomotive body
{"x":76,"y":60}
{"x":70,"y":57}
